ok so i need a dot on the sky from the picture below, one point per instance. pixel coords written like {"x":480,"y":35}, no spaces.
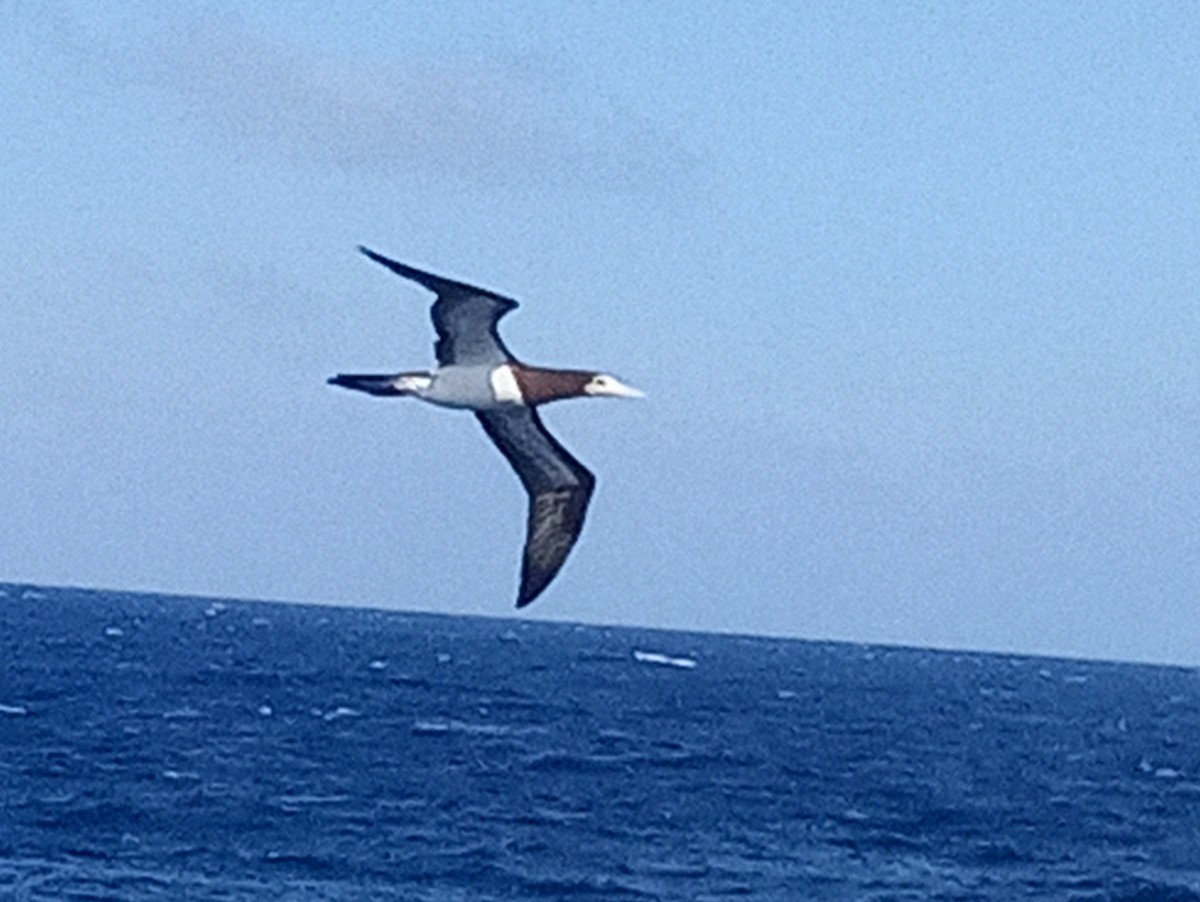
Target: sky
{"x":911,"y":289}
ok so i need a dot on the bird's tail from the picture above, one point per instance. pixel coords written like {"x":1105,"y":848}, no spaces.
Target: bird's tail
{"x":388,"y":385}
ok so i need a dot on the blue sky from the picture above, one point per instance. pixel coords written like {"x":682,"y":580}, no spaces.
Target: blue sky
{"x":912,"y":290}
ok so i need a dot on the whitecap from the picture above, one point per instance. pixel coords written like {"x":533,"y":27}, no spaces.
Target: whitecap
{"x":176,"y":775}
{"x":480,"y":729}
{"x":113,"y":631}
{"x":442,"y":727}
{"x":340,"y":712}
{"x":304,"y":799}
{"x":654,"y":657}
{"x":14,"y":710}
{"x":185,"y":713}
{"x":378,"y":664}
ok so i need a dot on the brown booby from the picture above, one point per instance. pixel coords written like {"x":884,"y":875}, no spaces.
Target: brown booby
{"x":475,"y":371}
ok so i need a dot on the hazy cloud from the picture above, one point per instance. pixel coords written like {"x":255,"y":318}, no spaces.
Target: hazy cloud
{"x":492,"y":120}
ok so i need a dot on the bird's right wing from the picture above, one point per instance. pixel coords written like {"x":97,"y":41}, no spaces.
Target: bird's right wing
{"x":464,"y":316}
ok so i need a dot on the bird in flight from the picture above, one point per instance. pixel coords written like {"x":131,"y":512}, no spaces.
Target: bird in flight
{"x":476,"y":372}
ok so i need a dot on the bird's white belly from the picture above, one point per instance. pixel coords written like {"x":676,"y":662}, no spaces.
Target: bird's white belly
{"x":472,"y":387}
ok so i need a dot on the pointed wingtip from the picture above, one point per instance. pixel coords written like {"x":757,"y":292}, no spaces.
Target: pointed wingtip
{"x":529,"y":592}
{"x":433,"y":282}
{"x":439,"y":285}
{"x":402,"y":269}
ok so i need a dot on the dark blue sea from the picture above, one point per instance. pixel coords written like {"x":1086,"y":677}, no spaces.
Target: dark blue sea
{"x":173,"y":748}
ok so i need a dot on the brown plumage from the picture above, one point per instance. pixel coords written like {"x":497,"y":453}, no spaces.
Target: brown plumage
{"x":541,"y":386}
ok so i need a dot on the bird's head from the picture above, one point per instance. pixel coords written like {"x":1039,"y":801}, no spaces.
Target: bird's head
{"x":604,"y":385}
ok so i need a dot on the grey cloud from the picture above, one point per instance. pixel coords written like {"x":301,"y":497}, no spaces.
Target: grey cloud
{"x":495,"y":121}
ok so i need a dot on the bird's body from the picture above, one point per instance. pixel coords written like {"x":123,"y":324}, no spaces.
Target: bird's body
{"x":477,"y":386}
{"x":476,"y":372}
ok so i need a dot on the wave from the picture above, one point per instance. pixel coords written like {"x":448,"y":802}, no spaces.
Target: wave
{"x":1151,"y":891}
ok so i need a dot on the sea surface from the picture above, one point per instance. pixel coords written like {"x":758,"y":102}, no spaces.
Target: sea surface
{"x":173,"y":748}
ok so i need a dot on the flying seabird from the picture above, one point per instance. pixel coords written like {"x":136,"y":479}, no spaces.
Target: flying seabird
{"x":475,"y":371}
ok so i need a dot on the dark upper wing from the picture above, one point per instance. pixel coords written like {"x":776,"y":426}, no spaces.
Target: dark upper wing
{"x":559,"y":489}
{"x":464,"y":316}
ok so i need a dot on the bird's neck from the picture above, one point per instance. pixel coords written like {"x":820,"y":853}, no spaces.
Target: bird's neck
{"x":539,"y":385}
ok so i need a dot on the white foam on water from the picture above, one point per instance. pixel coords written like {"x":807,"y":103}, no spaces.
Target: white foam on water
{"x":304,"y":799}
{"x":185,"y":713}
{"x":14,"y":710}
{"x":442,"y":727}
{"x":654,"y":657}
{"x":176,"y":775}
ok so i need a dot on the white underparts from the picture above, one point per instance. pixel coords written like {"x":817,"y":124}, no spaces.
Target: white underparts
{"x":504,"y":386}
{"x":417,"y":383}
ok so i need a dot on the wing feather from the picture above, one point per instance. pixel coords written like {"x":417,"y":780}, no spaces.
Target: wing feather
{"x":464,"y":316}
{"x":559,"y":488}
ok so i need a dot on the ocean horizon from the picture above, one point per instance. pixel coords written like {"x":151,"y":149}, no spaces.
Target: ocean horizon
{"x":175,"y":747}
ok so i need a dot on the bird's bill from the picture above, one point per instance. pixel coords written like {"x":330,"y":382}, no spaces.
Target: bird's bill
{"x":628,"y":391}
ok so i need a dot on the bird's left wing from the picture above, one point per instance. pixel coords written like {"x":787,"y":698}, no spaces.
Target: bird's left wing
{"x":559,"y":488}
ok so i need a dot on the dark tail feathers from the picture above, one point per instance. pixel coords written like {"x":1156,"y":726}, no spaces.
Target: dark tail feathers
{"x":373,"y":384}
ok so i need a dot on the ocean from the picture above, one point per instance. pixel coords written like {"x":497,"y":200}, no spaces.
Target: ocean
{"x":190,"y":749}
